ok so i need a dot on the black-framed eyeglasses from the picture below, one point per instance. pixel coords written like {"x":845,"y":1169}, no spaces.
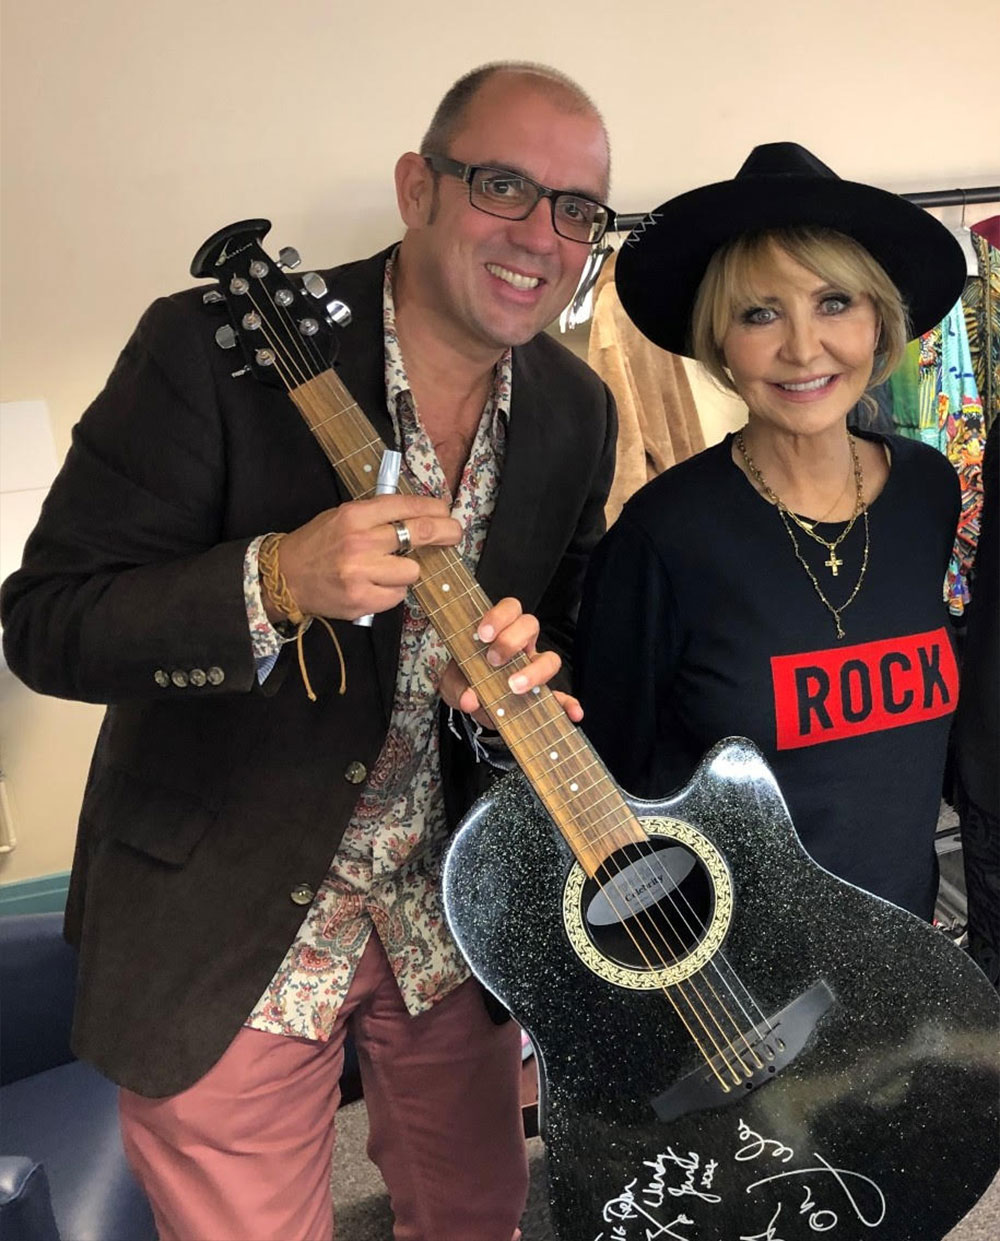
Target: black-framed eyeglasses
{"x":513,"y":196}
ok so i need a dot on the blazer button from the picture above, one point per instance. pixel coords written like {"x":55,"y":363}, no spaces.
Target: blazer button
{"x":355,"y":772}
{"x":179,"y":678}
{"x":302,"y":895}
{"x":197,"y":677}
{"x":215,"y":675}
{"x":161,"y":678}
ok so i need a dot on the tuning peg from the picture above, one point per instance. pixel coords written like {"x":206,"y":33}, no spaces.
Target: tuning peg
{"x":225,"y":337}
{"x":338,"y":313}
{"x":314,"y":284}
{"x":289,"y":258}
{"x":211,"y":296}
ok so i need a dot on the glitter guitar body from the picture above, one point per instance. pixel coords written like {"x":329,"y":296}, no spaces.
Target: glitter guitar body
{"x":883,"y":1123}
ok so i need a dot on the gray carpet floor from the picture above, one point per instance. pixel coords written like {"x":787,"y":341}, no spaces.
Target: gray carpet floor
{"x":363,"y":1212}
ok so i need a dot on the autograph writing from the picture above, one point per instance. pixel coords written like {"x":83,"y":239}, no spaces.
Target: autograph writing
{"x":637,"y":1213}
{"x":842,"y":1176}
{"x":625,"y":1207}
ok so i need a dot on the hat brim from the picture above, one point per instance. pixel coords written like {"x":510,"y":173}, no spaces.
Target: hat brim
{"x":661,"y":265}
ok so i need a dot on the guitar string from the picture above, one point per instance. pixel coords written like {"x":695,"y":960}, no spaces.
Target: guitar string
{"x":287,"y":375}
{"x":643,"y":859}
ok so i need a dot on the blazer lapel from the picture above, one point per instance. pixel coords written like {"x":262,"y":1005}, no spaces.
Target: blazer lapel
{"x":510,"y":562}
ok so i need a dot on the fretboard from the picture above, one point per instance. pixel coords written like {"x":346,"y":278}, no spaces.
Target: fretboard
{"x":563,"y":769}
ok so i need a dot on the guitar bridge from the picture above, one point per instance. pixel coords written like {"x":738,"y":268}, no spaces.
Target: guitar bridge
{"x":774,"y":1043}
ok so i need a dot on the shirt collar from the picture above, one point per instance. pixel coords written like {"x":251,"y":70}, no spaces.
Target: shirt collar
{"x":396,"y":382}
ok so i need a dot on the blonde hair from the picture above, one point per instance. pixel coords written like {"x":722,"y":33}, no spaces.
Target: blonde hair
{"x":728,"y":287}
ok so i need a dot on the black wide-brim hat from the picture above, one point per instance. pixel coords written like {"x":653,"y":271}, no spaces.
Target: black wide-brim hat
{"x":663,"y":261}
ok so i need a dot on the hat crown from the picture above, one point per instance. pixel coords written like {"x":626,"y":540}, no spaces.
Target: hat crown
{"x":783,"y":159}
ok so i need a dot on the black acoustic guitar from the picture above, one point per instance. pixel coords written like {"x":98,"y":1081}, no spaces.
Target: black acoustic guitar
{"x":734,"y":1044}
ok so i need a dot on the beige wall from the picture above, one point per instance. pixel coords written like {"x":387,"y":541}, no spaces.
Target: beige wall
{"x":133,"y":130}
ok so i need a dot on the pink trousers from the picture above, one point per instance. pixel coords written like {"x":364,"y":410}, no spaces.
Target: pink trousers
{"x":244,"y":1154}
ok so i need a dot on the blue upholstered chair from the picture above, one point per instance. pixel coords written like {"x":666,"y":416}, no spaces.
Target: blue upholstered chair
{"x":63,"y":1175}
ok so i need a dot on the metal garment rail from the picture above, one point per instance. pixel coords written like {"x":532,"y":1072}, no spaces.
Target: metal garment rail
{"x":924,"y":198}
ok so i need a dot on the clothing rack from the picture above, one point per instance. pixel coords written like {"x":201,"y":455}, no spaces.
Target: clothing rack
{"x":924,"y":198}
{"x":579,"y":309}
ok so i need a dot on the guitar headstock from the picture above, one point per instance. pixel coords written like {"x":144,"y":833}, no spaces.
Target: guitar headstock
{"x":287,"y":327}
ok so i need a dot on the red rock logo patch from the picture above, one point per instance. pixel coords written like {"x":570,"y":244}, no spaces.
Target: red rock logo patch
{"x":846,"y":691}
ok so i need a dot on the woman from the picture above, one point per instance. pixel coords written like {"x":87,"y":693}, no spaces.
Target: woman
{"x":786,"y":584}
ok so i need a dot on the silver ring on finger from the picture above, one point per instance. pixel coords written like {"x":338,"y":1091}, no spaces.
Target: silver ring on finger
{"x":402,"y":538}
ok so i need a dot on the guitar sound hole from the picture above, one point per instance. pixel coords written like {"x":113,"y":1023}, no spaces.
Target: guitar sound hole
{"x":650,"y":904}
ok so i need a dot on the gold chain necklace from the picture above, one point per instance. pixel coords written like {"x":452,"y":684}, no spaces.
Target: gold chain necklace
{"x":812,"y":522}
{"x":833,"y":564}
{"x":787,"y":516}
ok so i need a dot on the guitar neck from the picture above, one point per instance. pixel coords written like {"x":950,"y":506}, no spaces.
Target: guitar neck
{"x":557,"y":759}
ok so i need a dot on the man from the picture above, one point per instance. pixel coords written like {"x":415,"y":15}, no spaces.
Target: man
{"x":222,"y":806}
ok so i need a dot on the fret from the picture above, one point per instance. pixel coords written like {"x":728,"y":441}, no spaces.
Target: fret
{"x":431,"y":612}
{"x":554,"y":754}
{"x":544,"y":724}
{"x":450,"y":584}
{"x":493,"y":673}
{"x":578,"y":780}
{"x":516,"y":707}
{"x":453,"y":625}
{"x":337,"y":446}
{"x":588,"y":818}
{"x":601,"y":845}
{"x":586,"y":813}
{"x":316,"y":426}
{"x":343,"y":461}
{"x":593,"y":850}
{"x":449,"y":567}
{"x":567,"y":779}
{"x":601,"y":836}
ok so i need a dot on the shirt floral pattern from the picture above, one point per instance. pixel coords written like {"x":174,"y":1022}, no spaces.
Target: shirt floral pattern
{"x":386,"y":873}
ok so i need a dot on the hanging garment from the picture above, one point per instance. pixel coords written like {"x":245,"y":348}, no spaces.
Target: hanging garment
{"x":658,"y":422}
{"x":905,"y":384}
{"x":960,"y":420}
{"x":936,"y":400}
{"x":982,"y":315}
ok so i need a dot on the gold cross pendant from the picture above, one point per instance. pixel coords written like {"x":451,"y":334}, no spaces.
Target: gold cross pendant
{"x":833,"y":564}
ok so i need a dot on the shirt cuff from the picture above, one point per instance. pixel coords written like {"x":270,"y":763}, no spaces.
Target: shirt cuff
{"x":265,"y":639}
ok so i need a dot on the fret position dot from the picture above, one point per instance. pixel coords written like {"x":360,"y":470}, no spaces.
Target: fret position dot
{"x":574,"y":787}
{"x":500,"y":711}
{"x":553,"y":754}
{"x":446,"y":587}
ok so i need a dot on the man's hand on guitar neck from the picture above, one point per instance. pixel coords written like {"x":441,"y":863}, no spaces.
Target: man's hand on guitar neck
{"x":343,"y":563}
{"x":507,"y":631}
